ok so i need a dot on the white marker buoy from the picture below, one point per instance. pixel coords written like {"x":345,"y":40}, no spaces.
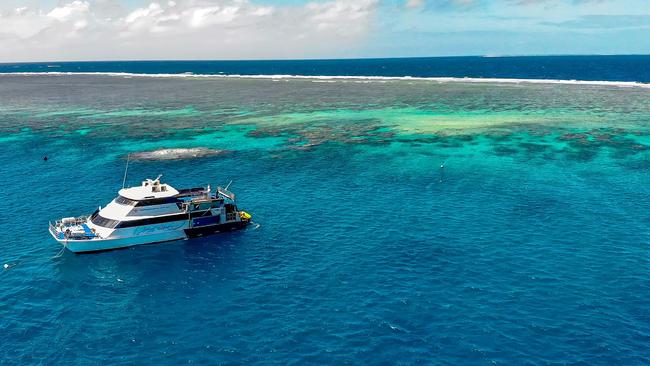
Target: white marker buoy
{"x":6,"y":265}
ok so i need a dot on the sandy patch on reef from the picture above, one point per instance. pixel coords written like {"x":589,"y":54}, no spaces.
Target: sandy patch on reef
{"x":177,"y":154}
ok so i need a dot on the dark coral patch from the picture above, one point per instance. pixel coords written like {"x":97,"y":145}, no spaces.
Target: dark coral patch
{"x":573,"y":136}
{"x":503,"y":150}
{"x":307,"y":136}
{"x":618,"y":142}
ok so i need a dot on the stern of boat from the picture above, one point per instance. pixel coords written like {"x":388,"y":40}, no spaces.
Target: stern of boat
{"x":72,"y":228}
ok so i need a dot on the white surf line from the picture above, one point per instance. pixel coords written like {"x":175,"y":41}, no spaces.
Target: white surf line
{"x":628,"y":84}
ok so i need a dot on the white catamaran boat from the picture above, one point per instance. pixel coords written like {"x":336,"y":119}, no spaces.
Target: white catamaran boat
{"x":151,"y":213}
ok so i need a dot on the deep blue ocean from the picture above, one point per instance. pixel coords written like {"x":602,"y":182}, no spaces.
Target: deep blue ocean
{"x":593,"y":68}
{"x":406,"y":222}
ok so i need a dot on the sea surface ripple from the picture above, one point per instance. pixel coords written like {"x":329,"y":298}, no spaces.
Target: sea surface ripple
{"x":399,"y":224}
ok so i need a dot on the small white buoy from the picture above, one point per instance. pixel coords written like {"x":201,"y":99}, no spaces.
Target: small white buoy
{"x":119,"y":280}
{"x":6,"y":265}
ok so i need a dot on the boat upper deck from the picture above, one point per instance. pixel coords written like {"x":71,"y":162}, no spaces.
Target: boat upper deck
{"x":150,"y":189}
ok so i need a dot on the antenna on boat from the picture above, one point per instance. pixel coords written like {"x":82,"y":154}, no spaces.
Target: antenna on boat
{"x":228,"y":185}
{"x":128,"y":157}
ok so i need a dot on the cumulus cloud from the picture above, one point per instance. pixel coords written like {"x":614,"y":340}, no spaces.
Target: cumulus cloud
{"x":183,"y":29}
{"x":68,"y":11}
{"x":343,"y":17}
{"x":241,"y":29}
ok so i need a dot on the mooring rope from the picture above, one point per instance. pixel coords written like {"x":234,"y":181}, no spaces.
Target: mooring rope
{"x":64,"y":246}
{"x":60,"y":254}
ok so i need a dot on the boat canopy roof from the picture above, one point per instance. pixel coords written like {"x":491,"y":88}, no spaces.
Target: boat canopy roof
{"x":150,"y":188}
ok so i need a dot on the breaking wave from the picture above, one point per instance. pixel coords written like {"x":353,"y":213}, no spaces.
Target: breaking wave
{"x":629,"y":84}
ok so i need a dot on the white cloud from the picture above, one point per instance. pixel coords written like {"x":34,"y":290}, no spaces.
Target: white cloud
{"x":68,"y":11}
{"x":183,"y":29}
{"x":214,"y":15}
{"x":343,"y":17}
{"x":150,"y":11}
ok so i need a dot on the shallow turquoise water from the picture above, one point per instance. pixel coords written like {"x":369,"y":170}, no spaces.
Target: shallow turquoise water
{"x":528,"y":247}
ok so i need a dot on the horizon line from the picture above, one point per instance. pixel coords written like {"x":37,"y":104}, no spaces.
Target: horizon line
{"x":327,"y":59}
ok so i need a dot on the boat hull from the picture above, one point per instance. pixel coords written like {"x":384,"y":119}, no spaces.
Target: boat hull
{"x":98,"y":245}
{"x":215,"y":229}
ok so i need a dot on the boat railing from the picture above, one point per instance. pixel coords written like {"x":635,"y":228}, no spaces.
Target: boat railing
{"x":58,"y":229}
{"x":59,"y":223}
{"x":226,"y":193}
{"x":53,"y":226}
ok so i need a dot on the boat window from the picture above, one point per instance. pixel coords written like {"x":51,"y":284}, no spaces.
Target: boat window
{"x":162,"y":219}
{"x":125,"y":201}
{"x":153,"y":220}
{"x":99,"y":220}
{"x":156,"y":201}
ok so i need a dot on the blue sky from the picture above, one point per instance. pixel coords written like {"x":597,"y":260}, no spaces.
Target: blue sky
{"x":40,"y":30}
